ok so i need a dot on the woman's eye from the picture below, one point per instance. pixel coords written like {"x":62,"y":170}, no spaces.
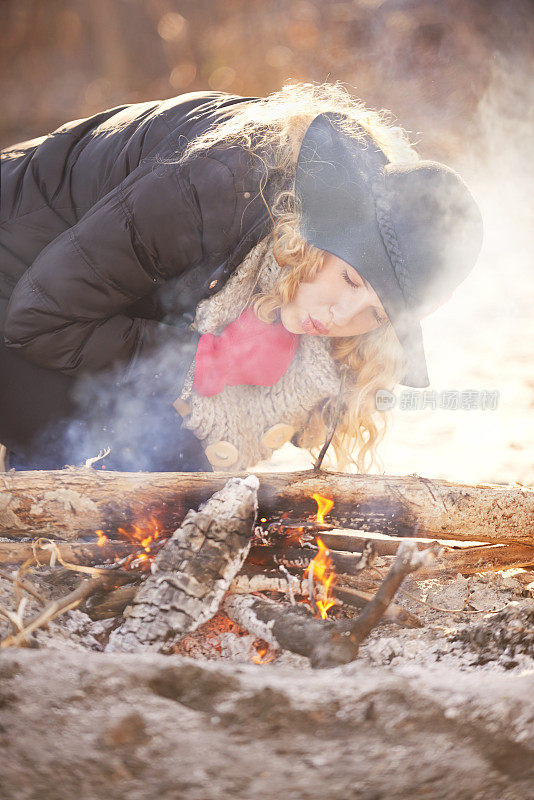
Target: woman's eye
{"x":348,"y":280}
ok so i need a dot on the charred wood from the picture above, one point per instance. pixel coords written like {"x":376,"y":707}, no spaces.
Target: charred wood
{"x":113,"y":603}
{"x":300,"y":557}
{"x":192,"y":571}
{"x":324,"y":642}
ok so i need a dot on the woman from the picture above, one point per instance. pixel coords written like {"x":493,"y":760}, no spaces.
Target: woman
{"x":221,"y":257}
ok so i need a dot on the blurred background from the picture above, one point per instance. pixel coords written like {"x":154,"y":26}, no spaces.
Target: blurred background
{"x":457,"y":74}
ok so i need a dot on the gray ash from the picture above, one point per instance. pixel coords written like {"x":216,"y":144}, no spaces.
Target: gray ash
{"x":501,"y":637}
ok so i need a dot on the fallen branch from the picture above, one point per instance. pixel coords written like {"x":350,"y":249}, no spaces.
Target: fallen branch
{"x":69,"y":503}
{"x":407,"y":560}
{"x":325,"y":643}
{"x":394,"y":613}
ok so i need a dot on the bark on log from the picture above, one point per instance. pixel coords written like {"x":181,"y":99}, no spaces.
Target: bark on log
{"x":192,"y":571}
{"x":66,"y":504}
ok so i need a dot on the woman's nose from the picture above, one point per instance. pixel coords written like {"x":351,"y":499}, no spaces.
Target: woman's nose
{"x":343,"y":312}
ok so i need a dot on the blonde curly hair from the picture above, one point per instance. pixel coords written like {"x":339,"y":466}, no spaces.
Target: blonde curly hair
{"x":272,"y":129}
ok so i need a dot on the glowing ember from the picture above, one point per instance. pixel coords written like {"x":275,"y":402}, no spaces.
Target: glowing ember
{"x":262,"y":654}
{"x":146,"y":537}
{"x":325,"y":576}
{"x":323,"y":506}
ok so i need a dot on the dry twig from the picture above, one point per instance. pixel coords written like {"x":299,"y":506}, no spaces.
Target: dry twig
{"x":56,"y":607}
{"x":335,"y":420}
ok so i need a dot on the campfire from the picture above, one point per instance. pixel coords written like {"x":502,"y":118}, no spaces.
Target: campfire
{"x":296,"y":579}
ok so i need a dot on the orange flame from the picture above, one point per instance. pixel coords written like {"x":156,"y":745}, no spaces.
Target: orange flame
{"x":325,"y":575}
{"x":143,"y":536}
{"x":323,"y":506}
{"x":102,"y":538}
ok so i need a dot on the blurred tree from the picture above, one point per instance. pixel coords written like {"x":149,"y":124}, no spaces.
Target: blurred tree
{"x":429,"y":61}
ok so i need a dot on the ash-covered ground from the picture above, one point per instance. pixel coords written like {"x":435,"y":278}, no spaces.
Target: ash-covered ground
{"x":443,"y":710}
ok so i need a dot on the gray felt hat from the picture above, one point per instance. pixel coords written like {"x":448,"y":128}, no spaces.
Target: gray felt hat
{"x":412,"y":230}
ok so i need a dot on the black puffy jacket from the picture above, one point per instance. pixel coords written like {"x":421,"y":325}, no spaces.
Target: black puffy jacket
{"x":106,"y":248}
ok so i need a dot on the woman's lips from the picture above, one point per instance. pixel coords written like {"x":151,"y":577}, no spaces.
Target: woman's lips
{"x":314,"y":327}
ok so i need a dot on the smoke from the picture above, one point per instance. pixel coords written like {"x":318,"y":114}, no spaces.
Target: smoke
{"x":482,"y":338}
{"x":128,"y":410}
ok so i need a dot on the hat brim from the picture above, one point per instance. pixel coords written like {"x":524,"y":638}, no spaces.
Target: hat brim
{"x":338,"y":215}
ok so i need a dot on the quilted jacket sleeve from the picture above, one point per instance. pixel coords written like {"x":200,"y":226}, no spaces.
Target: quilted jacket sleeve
{"x":67,"y":311}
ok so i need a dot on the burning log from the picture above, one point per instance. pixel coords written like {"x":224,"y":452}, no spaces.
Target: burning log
{"x":113,"y":603}
{"x":466,"y":561}
{"x":348,"y":563}
{"x":192,"y":571}
{"x":325,"y":643}
{"x":67,"y":504}
{"x":249,"y":584}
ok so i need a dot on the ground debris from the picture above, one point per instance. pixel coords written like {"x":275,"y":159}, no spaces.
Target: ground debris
{"x":501,"y":637}
{"x":142,"y":725}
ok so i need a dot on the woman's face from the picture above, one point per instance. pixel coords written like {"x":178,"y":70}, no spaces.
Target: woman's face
{"x":338,"y":302}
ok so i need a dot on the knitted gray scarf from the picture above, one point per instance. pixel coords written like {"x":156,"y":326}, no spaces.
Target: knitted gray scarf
{"x":242,"y":415}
